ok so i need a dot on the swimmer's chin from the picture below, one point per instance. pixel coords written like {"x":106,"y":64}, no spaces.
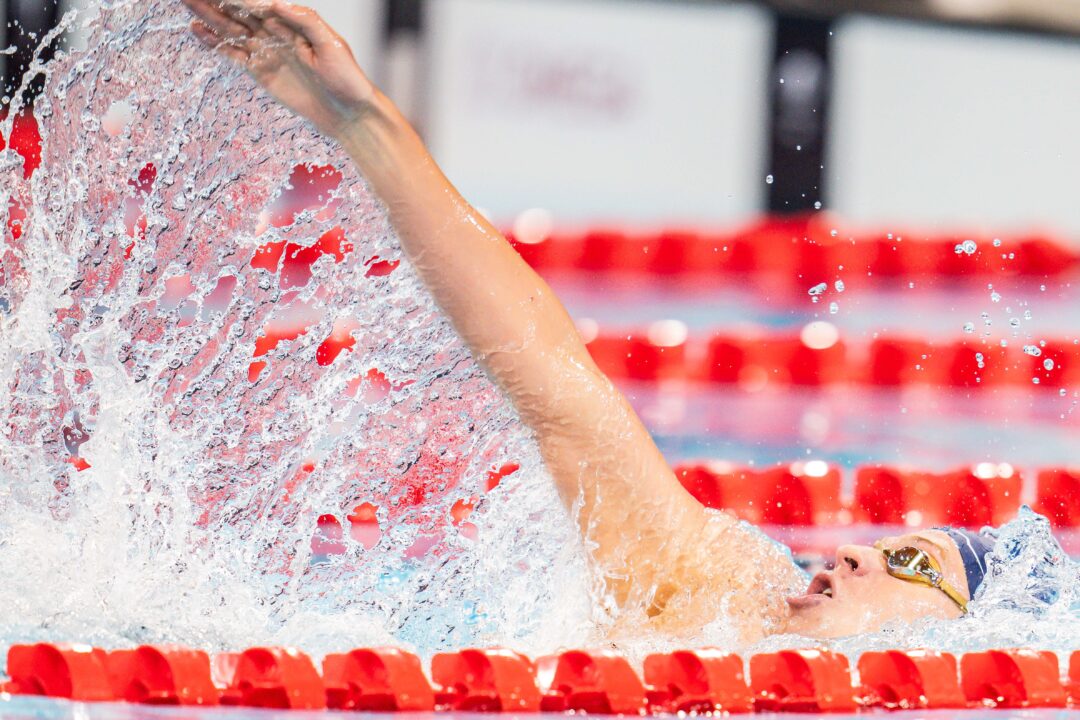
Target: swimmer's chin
{"x":817,"y":616}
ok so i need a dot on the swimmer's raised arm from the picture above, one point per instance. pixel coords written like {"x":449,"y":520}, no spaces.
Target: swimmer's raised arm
{"x":656,"y":547}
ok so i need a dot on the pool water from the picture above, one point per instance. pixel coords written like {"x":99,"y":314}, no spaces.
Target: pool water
{"x":926,"y":426}
{"x":931,"y":308}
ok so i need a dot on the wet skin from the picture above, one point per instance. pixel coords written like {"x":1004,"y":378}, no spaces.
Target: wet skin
{"x":659,"y":557}
{"x":859,"y":595}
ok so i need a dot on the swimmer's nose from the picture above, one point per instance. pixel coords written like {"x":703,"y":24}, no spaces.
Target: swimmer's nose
{"x":855,"y":560}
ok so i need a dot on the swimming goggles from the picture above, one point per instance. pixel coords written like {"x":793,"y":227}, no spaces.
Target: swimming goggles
{"x":914,"y":565}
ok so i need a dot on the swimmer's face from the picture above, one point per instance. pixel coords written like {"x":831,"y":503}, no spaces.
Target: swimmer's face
{"x":860,"y":596}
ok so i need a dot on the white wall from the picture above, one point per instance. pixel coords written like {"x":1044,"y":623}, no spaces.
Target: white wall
{"x":360,"y":22}
{"x":942,"y":126}
{"x":601,"y":109}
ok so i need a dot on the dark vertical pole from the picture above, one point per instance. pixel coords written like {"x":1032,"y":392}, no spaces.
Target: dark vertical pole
{"x":799,"y":113}
{"x":26,"y":23}
{"x":403,"y":16}
{"x":403,"y":52}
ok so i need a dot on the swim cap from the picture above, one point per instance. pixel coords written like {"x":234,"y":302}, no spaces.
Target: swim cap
{"x":973,"y":548}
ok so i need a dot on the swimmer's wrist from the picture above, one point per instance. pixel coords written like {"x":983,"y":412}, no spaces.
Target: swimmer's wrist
{"x":378,"y":137}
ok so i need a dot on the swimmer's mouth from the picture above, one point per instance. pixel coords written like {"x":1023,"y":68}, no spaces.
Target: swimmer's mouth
{"x":821,"y":585}
{"x":821,"y":589}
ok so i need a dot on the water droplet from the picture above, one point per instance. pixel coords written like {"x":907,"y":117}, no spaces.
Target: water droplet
{"x":817,"y":204}
{"x":1027,"y":314}
{"x":1048,"y":364}
{"x":768,"y":179}
{"x":839,"y":285}
{"x":1035,"y":381}
{"x":969,"y":327}
{"x":1063,"y":392}
{"x":818,"y":289}
{"x":997,"y":242}
{"x":833,"y":233}
{"x":1032,"y":350}
{"x":1014,"y":322}
{"x":969,"y":247}
{"x":995,"y":297}
{"x":834,"y":308}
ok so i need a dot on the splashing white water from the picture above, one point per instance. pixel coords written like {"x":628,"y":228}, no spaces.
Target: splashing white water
{"x":161,"y":245}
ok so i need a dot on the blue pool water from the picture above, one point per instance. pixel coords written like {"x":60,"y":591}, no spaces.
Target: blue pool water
{"x":929,"y":307}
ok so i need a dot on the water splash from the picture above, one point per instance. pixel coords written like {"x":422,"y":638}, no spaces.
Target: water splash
{"x":210,"y":340}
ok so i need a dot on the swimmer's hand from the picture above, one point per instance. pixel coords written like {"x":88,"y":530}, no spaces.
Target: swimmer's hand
{"x":292,"y":53}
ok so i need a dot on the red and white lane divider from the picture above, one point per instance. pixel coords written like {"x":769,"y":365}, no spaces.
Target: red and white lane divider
{"x":497,"y":680}
{"x":809,"y":493}
{"x":816,"y":248}
{"x":803,"y":505}
{"x":818,"y":356}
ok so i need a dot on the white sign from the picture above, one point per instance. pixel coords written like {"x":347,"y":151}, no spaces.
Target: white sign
{"x":598,"y":110}
{"x":932,"y":125}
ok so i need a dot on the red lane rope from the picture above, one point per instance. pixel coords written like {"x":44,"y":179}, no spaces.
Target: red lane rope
{"x":818,"y":356}
{"x":809,"y":493}
{"x":498,"y":680}
{"x":802,"y":248}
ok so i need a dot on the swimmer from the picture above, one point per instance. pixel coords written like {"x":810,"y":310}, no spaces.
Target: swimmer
{"x":661,"y":559}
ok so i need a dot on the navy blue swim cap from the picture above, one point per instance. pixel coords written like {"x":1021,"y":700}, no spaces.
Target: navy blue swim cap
{"x":973,"y":548}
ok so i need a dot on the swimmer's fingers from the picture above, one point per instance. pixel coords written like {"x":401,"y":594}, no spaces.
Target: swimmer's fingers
{"x":277,"y":29}
{"x":235,"y":51}
{"x":212,"y":16}
{"x":250,"y":13}
{"x":305,"y":22}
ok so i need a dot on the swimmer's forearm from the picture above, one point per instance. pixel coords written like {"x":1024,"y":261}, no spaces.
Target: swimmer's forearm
{"x":384,"y":146}
{"x":504,"y":311}
{"x":519,"y":331}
